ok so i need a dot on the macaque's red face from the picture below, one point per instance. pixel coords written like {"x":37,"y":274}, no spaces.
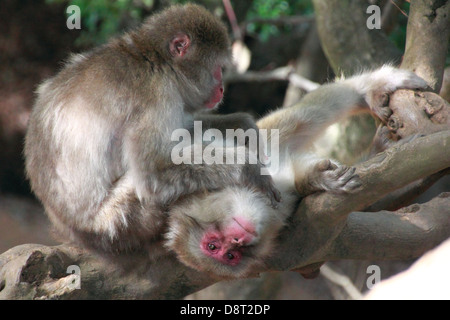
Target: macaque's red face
{"x":228,"y":245}
{"x":217,"y":92}
{"x":184,"y":53}
{"x":225,"y":233}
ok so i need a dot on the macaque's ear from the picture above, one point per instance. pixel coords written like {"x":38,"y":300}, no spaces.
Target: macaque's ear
{"x":179,"y":45}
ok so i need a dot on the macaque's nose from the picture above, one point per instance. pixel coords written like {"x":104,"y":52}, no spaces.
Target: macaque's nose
{"x":240,"y":232}
{"x":237,"y":242}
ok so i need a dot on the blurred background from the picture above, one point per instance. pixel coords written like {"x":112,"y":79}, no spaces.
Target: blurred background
{"x":271,"y":39}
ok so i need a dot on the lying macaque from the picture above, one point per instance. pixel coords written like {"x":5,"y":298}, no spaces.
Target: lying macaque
{"x":228,"y":232}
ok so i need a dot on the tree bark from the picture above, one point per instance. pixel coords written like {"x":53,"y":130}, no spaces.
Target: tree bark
{"x":321,"y":217}
{"x":427,"y":40}
{"x":341,"y":34}
{"x":312,"y":236}
{"x":400,"y":235}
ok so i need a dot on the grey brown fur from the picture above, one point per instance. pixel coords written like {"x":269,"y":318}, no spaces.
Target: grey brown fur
{"x":98,"y":144}
{"x":300,"y":172}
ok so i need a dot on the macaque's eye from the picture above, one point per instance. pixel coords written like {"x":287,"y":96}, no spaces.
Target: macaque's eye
{"x":212,"y":246}
{"x":230,"y":256}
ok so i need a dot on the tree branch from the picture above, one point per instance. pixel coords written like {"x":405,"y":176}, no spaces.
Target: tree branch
{"x":339,"y":39}
{"x":413,"y":113}
{"x":39,"y":272}
{"x":34,"y":271}
{"x":404,"y":196}
{"x":428,"y":27}
{"x":404,"y":234}
{"x":279,"y":74}
{"x":321,"y":217}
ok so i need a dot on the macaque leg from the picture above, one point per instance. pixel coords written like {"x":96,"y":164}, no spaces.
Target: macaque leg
{"x":122,"y":222}
{"x":302,"y":123}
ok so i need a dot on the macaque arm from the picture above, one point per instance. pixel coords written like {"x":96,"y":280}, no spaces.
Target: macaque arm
{"x":238,"y":120}
{"x":238,"y":129}
{"x":160,"y":176}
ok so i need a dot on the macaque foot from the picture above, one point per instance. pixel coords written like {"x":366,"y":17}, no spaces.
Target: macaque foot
{"x":327,"y":175}
{"x":384,"y":138}
{"x":384,"y":82}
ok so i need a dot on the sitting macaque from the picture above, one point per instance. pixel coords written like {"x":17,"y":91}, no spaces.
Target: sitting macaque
{"x":98,"y":145}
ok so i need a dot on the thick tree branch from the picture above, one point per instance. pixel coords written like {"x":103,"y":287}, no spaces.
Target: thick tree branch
{"x":321,"y":217}
{"x":427,"y":40}
{"x":404,"y":196}
{"x":340,"y":36}
{"x":413,"y":113}
{"x":35,"y":271}
{"x":417,"y":113}
{"x":388,"y":171}
{"x":404,"y":234}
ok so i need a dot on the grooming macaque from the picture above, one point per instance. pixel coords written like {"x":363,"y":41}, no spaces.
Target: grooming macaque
{"x":229,"y":232}
{"x":98,"y":147}
{"x":99,"y":143}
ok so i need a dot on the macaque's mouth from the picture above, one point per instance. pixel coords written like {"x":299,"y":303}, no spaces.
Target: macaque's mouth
{"x":215,"y":98}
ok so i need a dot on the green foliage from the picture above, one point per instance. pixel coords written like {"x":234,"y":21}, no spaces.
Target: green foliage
{"x":102,"y":18}
{"x":271,"y":9}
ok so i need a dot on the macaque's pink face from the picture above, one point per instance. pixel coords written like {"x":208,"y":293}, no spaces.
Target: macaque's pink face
{"x":180,"y":49}
{"x":217,"y":92}
{"x":228,"y":245}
